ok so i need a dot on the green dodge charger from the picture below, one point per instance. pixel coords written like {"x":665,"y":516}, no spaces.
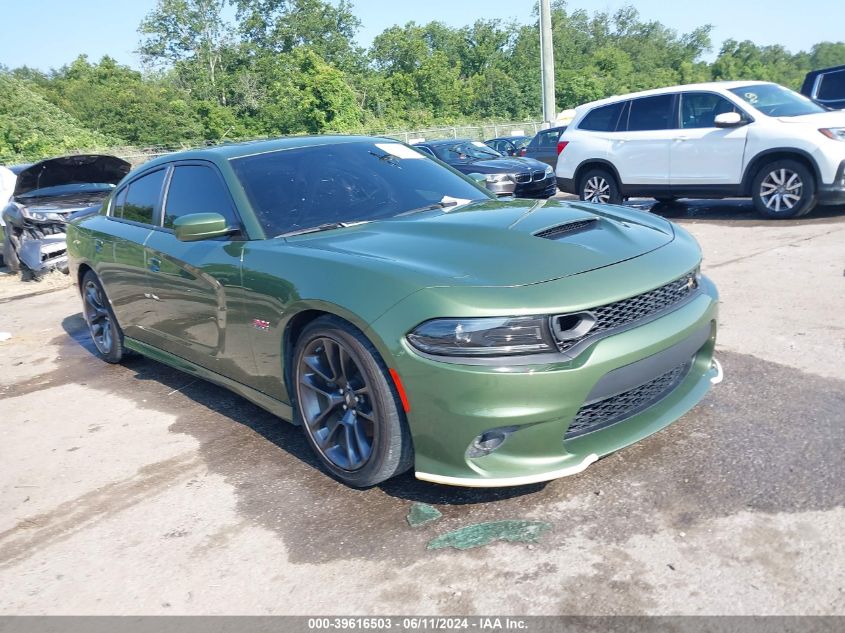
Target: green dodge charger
{"x":400,"y":313}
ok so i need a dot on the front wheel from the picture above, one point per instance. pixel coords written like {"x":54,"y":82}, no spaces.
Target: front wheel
{"x":600,"y":186}
{"x":102,"y":325}
{"x":10,"y":253}
{"x":784,"y":189}
{"x":350,"y":412}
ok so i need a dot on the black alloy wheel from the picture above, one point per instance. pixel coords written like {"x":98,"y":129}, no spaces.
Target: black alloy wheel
{"x":102,"y":325}
{"x":349,"y":411}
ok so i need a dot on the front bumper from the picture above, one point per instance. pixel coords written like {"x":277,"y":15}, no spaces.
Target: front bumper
{"x":544,"y":188}
{"x":452,"y":404}
{"x":833,"y":194}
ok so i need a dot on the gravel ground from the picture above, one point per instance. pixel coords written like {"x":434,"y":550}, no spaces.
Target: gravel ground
{"x":135,"y":489}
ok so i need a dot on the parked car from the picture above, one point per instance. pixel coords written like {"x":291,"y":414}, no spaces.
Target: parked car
{"x":45,"y":195}
{"x":509,"y":145}
{"x":826,"y":87}
{"x":545,"y":145}
{"x":504,"y":176}
{"x":711,"y":140}
{"x":400,"y":312}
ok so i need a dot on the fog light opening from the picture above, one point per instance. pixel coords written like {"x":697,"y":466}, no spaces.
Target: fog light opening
{"x":489,"y":441}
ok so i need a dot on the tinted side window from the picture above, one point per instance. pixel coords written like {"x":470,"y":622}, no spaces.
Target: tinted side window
{"x":603,"y":119}
{"x":142,"y":197}
{"x":119,"y":202}
{"x":699,"y":109}
{"x":197,"y":189}
{"x":651,"y":113}
{"x":832,"y":86}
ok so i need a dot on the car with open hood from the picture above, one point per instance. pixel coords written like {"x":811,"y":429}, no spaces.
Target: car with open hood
{"x":45,"y":195}
{"x":503,"y":175}
{"x":400,"y":312}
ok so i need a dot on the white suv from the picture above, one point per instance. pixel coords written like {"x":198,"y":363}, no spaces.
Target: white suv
{"x":711,"y":140}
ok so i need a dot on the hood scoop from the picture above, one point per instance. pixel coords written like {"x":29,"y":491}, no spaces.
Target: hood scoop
{"x":556,"y":232}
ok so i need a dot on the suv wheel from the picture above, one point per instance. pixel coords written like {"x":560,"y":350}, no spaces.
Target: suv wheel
{"x":784,"y":189}
{"x":599,"y":185}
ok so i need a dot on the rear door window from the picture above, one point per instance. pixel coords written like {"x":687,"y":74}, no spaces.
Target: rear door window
{"x":652,"y":113}
{"x":142,"y":198}
{"x":603,"y":119}
{"x":197,"y":189}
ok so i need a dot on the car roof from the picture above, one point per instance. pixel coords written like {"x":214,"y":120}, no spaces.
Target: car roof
{"x":250,"y":148}
{"x":506,"y":138}
{"x":710,"y":85}
{"x":445,"y":141}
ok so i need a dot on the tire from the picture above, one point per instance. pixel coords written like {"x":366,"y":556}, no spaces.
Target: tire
{"x":784,"y":189}
{"x":599,"y":186}
{"x":10,"y":255}
{"x":102,"y":324}
{"x":351,"y":415}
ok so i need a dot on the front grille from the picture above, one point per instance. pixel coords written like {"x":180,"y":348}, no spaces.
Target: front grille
{"x":539,"y":175}
{"x":564,"y":229}
{"x":523,"y":178}
{"x":598,"y":415}
{"x":627,"y":311}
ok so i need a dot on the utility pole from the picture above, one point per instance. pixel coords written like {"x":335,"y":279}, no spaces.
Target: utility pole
{"x":547,"y":64}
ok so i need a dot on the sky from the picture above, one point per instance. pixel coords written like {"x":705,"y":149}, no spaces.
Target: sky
{"x":47,"y":34}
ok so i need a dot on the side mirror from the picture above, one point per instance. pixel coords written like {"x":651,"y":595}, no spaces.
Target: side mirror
{"x":478,"y":179}
{"x":200,"y":226}
{"x":728,"y":119}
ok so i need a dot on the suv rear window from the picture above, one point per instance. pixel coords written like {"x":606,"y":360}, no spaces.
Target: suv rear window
{"x":603,"y":119}
{"x":651,"y":113}
{"x":832,"y":86}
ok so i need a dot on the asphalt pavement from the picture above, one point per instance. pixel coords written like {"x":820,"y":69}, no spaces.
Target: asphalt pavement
{"x":136,"y":489}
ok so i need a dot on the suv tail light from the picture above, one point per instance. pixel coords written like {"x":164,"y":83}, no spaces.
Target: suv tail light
{"x":561,"y":145}
{"x":523,"y":151}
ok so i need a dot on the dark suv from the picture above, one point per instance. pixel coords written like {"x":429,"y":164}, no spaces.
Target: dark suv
{"x":544,"y":146}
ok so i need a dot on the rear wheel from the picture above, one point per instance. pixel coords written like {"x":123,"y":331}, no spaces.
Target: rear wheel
{"x":784,"y":189}
{"x":350,"y":412}
{"x":102,"y":325}
{"x":600,"y":186}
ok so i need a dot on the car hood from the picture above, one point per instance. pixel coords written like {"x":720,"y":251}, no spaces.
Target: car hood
{"x":834,"y":118}
{"x":492,"y":243}
{"x":501,"y":166}
{"x":67,"y":170}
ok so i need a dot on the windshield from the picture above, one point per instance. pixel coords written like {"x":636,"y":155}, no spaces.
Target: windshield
{"x":466,"y":150}
{"x":774,"y":100}
{"x":345,"y":183}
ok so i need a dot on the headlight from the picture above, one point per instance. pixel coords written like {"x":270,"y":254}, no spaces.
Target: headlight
{"x":498,"y":178}
{"x":549,"y":170}
{"x":486,"y":336}
{"x":836,"y":133}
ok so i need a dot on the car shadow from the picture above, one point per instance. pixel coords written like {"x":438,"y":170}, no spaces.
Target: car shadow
{"x":740,"y":212}
{"x":279,"y":432}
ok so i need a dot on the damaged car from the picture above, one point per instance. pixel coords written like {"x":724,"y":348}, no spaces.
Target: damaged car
{"x":46,"y":194}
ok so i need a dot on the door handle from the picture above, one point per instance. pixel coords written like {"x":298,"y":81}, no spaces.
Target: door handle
{"x":682,"y":138}
{"x":155,"y":264}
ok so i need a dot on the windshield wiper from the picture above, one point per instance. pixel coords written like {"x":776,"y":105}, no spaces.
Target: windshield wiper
{"x":328,"y":226}
{"x":428,"y":207}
